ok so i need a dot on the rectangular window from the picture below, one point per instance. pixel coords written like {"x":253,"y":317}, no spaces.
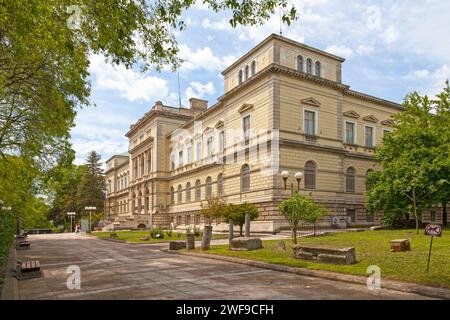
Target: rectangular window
{"x":350,"y":133}
{"x":198,"y":151}
{"x":189,"y":154}
{"x":246,"y":129}
{"x":310,"y":122}
{"x":172,"y":161}
{"x":221,"y":141}
{"x":368,"y":136}
{"x":351,"y":215}
{"x":209,"y":146}
{"x":180,"y":159}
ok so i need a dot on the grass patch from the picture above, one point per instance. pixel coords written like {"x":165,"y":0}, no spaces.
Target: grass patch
{"x":372,"y":248}
{"x":135,"y":236}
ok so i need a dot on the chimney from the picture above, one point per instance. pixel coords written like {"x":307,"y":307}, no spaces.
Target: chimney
{"x":198,"y":104}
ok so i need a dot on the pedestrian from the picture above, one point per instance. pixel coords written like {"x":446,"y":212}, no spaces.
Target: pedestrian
{"x":77,"y":229}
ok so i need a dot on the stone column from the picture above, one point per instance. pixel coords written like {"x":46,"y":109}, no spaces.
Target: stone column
{"x":190,"y":241}
{"x":247,"y":224}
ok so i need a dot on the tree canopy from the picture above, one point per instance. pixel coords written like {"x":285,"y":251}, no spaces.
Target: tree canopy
{"x":415,"y":160}
{"x":236,"y":212}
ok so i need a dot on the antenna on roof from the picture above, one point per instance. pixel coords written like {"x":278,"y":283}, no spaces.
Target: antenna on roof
{"x":179,"y":90}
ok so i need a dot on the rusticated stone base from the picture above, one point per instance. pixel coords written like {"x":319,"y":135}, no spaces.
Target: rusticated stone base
{"x":245,"y":244}
{"x":177,"y":245}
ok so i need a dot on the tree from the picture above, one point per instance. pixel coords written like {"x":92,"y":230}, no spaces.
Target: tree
{"x":236,"y":212}
{"x":414,"y":159}
{"x":299,"y":209}
{"x":92,"y":184}
{"x":214,"y":208}
{"x":44,"y":58}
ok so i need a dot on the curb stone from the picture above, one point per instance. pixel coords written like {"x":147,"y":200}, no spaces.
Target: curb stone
{"x":432,"y":292}
{"x":10,"y":289}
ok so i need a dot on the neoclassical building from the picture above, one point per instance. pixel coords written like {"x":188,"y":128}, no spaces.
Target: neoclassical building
{"x":284,"y":108}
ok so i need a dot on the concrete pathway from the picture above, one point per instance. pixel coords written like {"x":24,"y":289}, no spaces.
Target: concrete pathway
{"x":111,"y":270}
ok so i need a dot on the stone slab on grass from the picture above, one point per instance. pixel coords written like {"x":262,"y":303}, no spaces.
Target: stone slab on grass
{"x":325,"y":254}
{"x":177,"y":245}
{"x":245,"y":244}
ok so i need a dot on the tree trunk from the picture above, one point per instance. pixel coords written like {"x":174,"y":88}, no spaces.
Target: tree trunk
{"x":444,"y":212}
{"x":415,"y":210}
{"x":294,"y":235}
{"x":206,"y":240}
{"x":241,"y":230}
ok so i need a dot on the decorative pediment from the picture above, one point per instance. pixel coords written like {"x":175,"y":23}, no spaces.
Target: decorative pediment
{"x":219,"y":124}
{"x":370,"y":118}
{"x":311,"y":101}
{"x":207,"y":129}
{"x":245,"y":107}
{"x":351,"y":114}
{"x":388,"y":123}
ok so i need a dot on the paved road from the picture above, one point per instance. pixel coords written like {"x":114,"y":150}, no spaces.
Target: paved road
{"x":111,"y":270}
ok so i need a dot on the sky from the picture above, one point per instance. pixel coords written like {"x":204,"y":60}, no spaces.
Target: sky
{"x":391,"y":48}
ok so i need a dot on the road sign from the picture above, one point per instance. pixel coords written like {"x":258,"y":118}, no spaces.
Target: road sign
{"x":433,"y":230}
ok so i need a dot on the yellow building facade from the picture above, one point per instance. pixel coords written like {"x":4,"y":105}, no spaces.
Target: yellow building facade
{"x":284,"y":109}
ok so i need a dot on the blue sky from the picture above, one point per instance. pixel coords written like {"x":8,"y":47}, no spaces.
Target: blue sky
{"x":391,"y":48}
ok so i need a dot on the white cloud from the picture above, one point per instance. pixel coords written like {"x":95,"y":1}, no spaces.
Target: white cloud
{"x":364,"y":49}
{"x":200,"y":90}
{"x":222,"y":25}
{"x":391,"y":34}
{"x":129,"y":84}
{"x":203,"y":59}
{"x":431,"y":82}
{"x":340,"y":50}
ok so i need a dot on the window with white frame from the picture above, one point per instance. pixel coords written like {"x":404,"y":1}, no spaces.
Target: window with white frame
{"x":172,"y":161}
{"x":386,"y":132}
{"x":221,"y":141}
{"x":310,"y":122}
{"x":369,"y":136}
{"x":180,"y":159}
{"x":350,"y":132}
{"x":198,"y":150}
{"x":209,"y":146}
{"x":246,"y":126}
{"x":189,"y":154}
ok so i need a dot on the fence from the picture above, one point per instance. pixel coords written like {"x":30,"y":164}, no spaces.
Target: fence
{"x":311,"y":229}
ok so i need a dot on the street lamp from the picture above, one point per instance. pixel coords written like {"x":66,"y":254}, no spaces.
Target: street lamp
{"x":71,"y":215}
{"x":285,"y":176}
{"x":298,"y":177}
{"x":90,"y":209}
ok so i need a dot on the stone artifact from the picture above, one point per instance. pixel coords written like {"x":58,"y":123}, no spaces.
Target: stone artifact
{"x":190,"y":241}
{"x":247,"y":225}
{"x":400,"y":245}
{"x":281,"y":245}
{"x":145,"y":238}
{"x":245,"y":244}
{"x":325,"y":254}
{"x":177,"y":245}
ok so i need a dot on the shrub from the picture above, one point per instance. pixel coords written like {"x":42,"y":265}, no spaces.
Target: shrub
{"x":157,"y":233}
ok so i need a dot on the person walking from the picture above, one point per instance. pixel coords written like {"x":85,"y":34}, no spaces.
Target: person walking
{"x":77,"y":229}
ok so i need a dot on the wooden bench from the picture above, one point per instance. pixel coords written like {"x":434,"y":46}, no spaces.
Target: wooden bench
{"x":325,"y":254}
{"x":28,"y":269}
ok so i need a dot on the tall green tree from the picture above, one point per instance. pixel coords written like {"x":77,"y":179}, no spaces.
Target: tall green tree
{"x":44,"y":58}
{"x":414,"y":159}
{"x":92,"y":184}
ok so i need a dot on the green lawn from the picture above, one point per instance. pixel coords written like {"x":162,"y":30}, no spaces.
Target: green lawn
{"x":372,"y":248}
{"x":135,"y":236}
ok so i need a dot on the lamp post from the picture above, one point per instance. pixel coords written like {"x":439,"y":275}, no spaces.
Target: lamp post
{"x":298,"y":177}
{"x":71,"y":215}
{"x":90,"y":210}
{"x":285,"y":176}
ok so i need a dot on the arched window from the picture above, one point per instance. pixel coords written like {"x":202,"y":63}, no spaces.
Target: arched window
{"x":198,"y":190}
{"x":350,"y":178}
{"x":368,"y":185}
{"x":240,"y":77}
{"x":309,"y":67}
{"x":220,"y":184}
{"x":318,"y":69}
{"x":208,"y":188}
{"x":172,"y":195}
{"x":300,"y":63}
{"x":247,"y":72}
{"x":253,"y":68}
{"x":180,"y":194}
{"x":188,"y":192}
{"x":310,"y":175}
{"x":245,"y":178}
